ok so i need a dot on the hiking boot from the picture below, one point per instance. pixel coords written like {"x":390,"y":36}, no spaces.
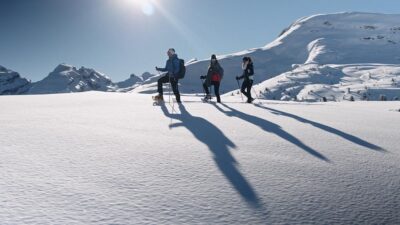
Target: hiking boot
{"x":158,"y":98}
{"x":250,"y":100}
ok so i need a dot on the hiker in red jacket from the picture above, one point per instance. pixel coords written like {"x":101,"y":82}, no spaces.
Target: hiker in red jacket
{"x":214,"y":76}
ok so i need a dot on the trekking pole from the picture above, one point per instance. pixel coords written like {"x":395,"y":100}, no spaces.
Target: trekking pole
{"x":170,"y":89}
{"x":202,"y":88}
{"x":255,"y":92}
{"x":239,"y":90}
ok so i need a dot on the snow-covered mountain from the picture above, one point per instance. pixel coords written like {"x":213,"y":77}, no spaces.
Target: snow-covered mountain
{"x":12,"y":83}
{"x":354,"y":45}
{"x":343,"y":56}
{"x":66,"y":78}
{"x":133,"y":82}
{"x":129,"y":84}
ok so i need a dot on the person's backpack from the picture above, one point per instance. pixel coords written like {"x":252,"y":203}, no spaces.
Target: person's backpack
{"x":182,"y":69}
{"x":251,"y":70}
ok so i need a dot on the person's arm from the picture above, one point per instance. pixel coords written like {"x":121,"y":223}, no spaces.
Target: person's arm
{"x":240,"y":77}
{"x":162,"y":69}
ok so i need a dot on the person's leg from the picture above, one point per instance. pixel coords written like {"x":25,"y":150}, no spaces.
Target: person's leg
{"x":160,"y":82}
{"x":248,"y":88}
{"x":174,"y":84}
{"x":205,"y":87}
{"x":243,"y":89}
{"x":216,"y":90}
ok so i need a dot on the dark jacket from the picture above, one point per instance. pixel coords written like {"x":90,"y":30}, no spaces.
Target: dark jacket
{"x":212,"y":69}
{"x":248,"y":72}
{"x":172,"y":66}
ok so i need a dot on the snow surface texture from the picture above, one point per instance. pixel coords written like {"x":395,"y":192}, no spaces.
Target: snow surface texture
{"x":12,"y":83}
{"x":112,"y":158}
{"x":344,"y":40}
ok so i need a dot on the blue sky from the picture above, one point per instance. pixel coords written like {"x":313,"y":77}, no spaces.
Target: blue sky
{"x":120,"y":37}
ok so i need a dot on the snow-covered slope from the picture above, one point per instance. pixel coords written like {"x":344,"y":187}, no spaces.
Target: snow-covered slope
{"x":66,"y":78}
{"x":12,"y":83}
{"x":129,"y":84}
{"x":133,"y":82}
{"x":120,"y":160}
{"x":344,"y":82}
{"x":339,"y":39}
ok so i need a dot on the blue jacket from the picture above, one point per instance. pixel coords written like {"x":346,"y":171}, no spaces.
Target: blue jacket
{"x":172,"y":66}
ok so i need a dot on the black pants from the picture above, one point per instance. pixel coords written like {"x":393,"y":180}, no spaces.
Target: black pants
{"x":246,"y":88}
{"x":216,"y":85}
{"x":174,"y":84}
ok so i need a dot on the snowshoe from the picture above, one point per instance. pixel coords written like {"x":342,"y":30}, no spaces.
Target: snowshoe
{"x":251,"y":100}
{"x":158,"y":99}
{"x":207,"y":98}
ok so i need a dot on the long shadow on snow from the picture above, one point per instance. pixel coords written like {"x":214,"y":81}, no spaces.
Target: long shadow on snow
{"x":219,"y":145}
{"x":272,"y":128}
{"x":326,"y":128}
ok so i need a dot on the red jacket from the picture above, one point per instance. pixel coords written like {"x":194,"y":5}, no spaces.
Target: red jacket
{"x":216,"y":77}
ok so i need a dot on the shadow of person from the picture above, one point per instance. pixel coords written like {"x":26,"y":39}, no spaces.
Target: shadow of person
{"x":326,"y":128}
{"x":271,"y":128}
{"x":218,"y":144}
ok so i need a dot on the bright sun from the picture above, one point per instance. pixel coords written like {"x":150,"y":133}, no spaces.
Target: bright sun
{"x":147,"y":6}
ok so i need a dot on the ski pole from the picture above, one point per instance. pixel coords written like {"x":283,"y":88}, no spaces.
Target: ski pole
{"x":240,"y":90}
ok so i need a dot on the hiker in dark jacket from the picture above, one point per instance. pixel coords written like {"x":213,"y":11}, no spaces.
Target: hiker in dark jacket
{"x":172,"y":69}
{"x":248,"y":72}
{"x":214,"y":76}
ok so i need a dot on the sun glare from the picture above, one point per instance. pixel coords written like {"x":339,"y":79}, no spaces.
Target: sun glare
{"x":146,"y":6}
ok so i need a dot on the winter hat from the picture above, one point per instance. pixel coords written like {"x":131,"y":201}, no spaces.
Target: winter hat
{"x":171,"y":51}
{"x":213,"y":56}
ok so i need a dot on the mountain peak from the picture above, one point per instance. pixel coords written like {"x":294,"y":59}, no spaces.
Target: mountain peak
{"x":67,"y":78}
{"x":12,"y":83}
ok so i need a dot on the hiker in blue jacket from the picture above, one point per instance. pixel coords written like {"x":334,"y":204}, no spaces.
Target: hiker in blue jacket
{"x":172,"y":69}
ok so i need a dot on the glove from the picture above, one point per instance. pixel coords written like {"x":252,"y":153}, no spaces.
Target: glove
{"x":158,"y":69}
{"x":202,"y":77}
{"x":237,"y":78}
